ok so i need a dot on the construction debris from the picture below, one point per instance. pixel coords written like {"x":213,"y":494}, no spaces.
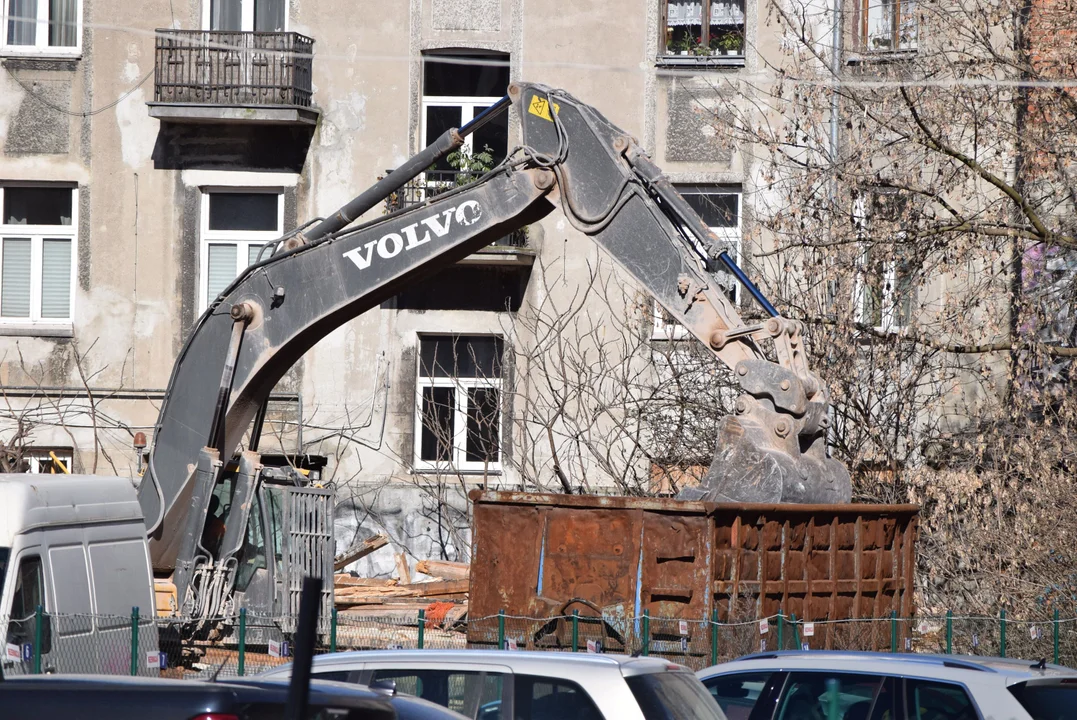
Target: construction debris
{"x":359,"y":551}
{"x":443,"y":569}
{"x":402,"y":570}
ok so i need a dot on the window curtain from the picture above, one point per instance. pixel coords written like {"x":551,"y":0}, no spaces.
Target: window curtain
{"x":15,"y":278}
{"x":226,"y":15}
{"x":269,"y":15}
{"x":220,"y":270}
{"x":684,"y":12}
{"x":63,"y":23}
{"x":727,"y":13}
{"x":22,"y":22}
{"x":56,"y":279}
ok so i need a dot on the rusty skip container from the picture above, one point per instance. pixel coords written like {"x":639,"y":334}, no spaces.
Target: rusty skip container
{"x":543,"y":556}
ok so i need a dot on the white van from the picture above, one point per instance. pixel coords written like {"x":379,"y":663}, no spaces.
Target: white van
{"x":76,"y":546}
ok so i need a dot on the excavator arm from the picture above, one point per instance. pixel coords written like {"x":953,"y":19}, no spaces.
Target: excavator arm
{"x":571,"y":158}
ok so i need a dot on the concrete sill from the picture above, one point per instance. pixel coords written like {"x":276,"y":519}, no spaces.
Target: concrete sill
{"x":476,"y":474}
{"x":700,"y":61}
{"x":879,"y":57}
{"x":256,"y":114}
{"x":31,"y":330}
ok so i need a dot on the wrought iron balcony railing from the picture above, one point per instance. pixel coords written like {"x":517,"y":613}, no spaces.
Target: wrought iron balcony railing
{"x":203,"y":67}
{"x":434,"y":182}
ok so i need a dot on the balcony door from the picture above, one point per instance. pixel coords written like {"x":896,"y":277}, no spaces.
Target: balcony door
{"x":246,"y":15}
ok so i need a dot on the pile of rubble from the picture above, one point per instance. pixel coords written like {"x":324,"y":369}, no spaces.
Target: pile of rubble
{"x":441,"y":592}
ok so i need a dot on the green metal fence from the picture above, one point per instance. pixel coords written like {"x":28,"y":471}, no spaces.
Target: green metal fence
{"x":246,"y":645}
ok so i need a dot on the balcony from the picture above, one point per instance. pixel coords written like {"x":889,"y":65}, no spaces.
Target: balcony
{"x":203,"y":76}
{"x":511,"y":249}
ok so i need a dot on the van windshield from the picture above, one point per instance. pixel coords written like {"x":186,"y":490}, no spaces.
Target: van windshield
{"x":673,"y":696}
{"x":5,"y":553}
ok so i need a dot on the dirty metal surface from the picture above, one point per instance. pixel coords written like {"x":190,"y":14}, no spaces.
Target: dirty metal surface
{"x":611,"y":558}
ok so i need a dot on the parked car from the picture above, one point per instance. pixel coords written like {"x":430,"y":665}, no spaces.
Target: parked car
{"x":88,"y":697}
{"x":881,"y":686}
{"x":496,"y":684}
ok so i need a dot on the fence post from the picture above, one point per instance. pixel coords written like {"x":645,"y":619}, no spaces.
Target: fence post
{"x":714,"y":636}
{"x":575,"y":631}
{"x":333,"y":631}
{"x":781,"y":629}
{"x":949,"y":632}
{"x":893,"y":631}
{"x":39,"y":617}
{"x":796,"y":631}
{"x":1055,"y":632}
{"x":832,"y":690}
{"x":501,"y":629}
{"x":134,"y":641}
{"x":646,"y":650}
{"x":242,"y":642}
{"x":422,"y":628}
{"x":1002,"y":633}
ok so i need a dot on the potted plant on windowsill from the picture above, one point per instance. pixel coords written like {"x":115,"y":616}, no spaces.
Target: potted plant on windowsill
{"x":684,"y":45}
{"x":731,"y":43}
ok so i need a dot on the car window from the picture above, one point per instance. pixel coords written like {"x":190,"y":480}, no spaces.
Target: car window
{"x":928,"y":700}
{"x":1047,"y":702}
{"x":539,"y":698}
{"x":736,"y":694}
{"x":806,"y":696}
{"x":673,"y":696}
{"x":473,"y":694}
{"x":337,"y":675}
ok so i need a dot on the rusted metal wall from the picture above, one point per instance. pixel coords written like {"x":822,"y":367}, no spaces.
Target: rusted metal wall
{"x":541,"y":556}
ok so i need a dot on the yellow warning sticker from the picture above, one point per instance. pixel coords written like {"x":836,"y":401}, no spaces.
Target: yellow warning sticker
{"x":541,"y":106}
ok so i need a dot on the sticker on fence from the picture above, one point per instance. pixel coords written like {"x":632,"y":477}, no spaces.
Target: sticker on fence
{"x":27,"y":652}
{"x":764,"y":626}
{"x":278,"y":649}
{"x":510,"y":643}
{"x":594,"y":646}
{"x":162,"y":660}
{"x":1035,"y":632}
{"x":684,"y":645}
{"x":908,"y":644}
{"x":12,"y":652}
{"x":805,"y":647}
{"x":762,"y":646}
{"x":155,"y":660}
{"x":809,"y":630}
{"x":975,"y":640}
{"x":683,"y":626}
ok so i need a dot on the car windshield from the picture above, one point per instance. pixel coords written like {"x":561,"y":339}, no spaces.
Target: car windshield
{"x":673,"y":696}
{"x":5,"y":553}
{"x":1047,"y":702}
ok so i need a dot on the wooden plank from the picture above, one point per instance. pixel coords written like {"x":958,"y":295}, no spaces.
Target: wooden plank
{"x":360,"y":551}
{"x":444,"y":569}
{"x":402,"y":568}
{"x":438,"y":587}
{"x":349,"y":581}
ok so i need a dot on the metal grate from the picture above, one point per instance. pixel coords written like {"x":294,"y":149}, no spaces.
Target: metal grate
{"x":233,"y":68}
{"x":308,"y":519}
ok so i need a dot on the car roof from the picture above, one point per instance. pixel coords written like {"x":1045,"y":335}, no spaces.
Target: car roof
{"x":527,"y":662}
{"x":953,"y":667}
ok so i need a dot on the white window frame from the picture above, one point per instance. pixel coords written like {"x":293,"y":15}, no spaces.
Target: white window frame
{"x":458,"y":463}
{"x":37,"y":234}
{"x":665,"y":327}
{"x":41,"y":47}
{"x":246,"y":16}
{"x":889,"y":314}
{"x":36,"y":458}
{"x":242,"y":239}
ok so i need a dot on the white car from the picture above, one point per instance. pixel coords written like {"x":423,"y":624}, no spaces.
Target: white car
{"x":881,"y":686}
{"x":512,"y":685}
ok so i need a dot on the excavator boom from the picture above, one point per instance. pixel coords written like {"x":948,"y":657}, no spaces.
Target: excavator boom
{"x":571,"y":158}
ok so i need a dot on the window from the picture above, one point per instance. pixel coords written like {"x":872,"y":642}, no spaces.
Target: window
{"x":37,"y":249}
{"x":456,"y":88}
{"x":472,"y":694}
{"x":28,"y":593}
{"x":1046,"y":701}
{"x":235,"y":226}
{"x":458,"y":409}
{"x":47,"y":461}
{"x":73,"y":606}
{"x":886,"y":281}
{"x":887,"y":25}
{"x":720,"y":209}
{"x":687,"y":34}
{"x":737,"y":694}
{"x":539,"y":698}
{"x":806,"y":696}
{"x":42,"y":27}
{"x":927,"y":700}
{"x":673,"y":696}
{"x":245,"y":15}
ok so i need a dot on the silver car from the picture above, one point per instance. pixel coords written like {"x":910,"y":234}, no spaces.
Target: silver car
{"x":884,"y":686}
{"x":496,"y":684}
